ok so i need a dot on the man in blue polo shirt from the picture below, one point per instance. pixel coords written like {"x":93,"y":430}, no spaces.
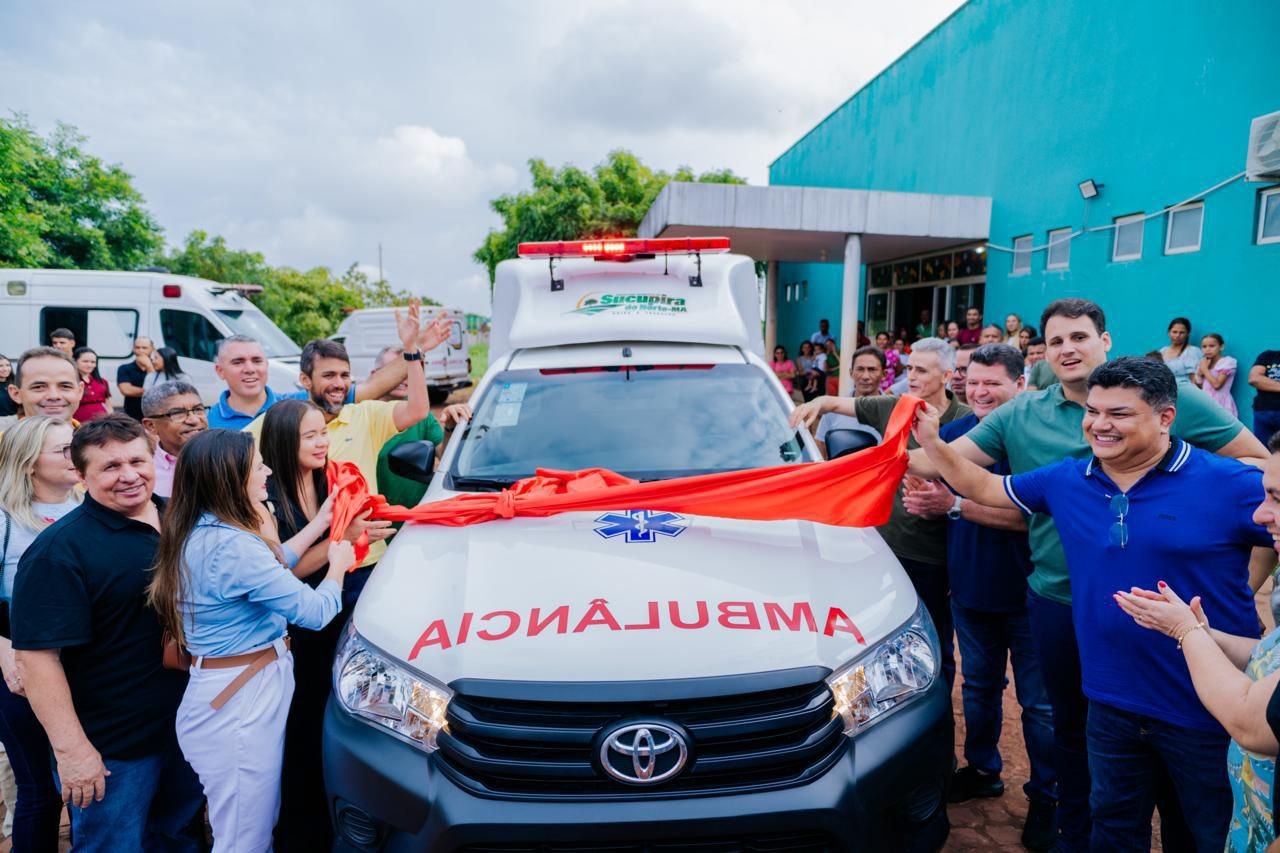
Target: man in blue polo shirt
{"x":242,"y":364}
{"x":988,"y":560}
{"x":1125,"y":521}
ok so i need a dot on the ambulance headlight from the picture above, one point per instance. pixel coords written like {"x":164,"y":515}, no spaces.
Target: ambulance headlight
{"x":373,"y":687}
{"x":888,"y":675}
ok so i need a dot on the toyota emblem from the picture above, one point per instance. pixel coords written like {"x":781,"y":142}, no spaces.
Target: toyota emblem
{"x":643,"y":753}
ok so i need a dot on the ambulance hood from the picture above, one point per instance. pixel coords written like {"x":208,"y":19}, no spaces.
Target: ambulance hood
{"x":630,"y":595}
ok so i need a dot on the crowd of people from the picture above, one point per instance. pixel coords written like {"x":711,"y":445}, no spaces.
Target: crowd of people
{"x":170,"y":599}
{"x":1052,"y":518}
{"x":1103,"y":528}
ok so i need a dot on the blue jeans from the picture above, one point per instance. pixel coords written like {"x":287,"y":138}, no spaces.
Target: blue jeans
{"x":1265,"y":424}
{"x":987,"y":641}
{"x":149,"y":806}
{"x":1126,"y":754}
{"x":38,"y":811}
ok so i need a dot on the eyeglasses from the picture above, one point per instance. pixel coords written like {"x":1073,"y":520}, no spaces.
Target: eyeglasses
{"x":64,"y":451}
{"x":1119,"y":533}
{"x":183,"y":414}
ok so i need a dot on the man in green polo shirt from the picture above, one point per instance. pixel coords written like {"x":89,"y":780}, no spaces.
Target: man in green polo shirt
{"x":1042,"y":427}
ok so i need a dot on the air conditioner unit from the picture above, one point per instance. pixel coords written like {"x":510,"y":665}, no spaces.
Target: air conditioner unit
{"x":1263,"y":162}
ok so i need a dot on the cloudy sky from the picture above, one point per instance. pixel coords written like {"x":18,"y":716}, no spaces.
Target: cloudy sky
{"x":313,"y":131}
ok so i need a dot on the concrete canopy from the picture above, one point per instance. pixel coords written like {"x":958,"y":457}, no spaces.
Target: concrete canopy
{"x":812,"y":223}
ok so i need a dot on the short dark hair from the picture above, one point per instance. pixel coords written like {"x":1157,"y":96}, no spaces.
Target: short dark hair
{"x":1035,"y":342}
{"x":1073,"y":308}
{"x":870,"y":350}
{"x":1274,"y":444}
{"x":321,"y":348}
{"x":1180,"y":321}
{"x":1030,"y":330}
{"x":1153,"y":379}
{"x":41,"y":352}
{"x":99,"y":432}
{"x":967,"y":347}
{"x":1000,"y":354}
{"x":64,"y":333}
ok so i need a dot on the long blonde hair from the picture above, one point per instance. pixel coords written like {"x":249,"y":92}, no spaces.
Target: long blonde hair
{"x":19,"y":450}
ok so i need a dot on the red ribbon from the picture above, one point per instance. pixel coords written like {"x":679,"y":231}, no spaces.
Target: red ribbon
{"x":856,"y":491}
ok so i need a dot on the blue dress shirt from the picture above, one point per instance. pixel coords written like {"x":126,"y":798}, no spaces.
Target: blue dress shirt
{"x":238,"y":597}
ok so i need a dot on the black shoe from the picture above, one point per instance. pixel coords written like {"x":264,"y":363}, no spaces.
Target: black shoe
{"x":1040,"y":832}
{"x":969,"y":783}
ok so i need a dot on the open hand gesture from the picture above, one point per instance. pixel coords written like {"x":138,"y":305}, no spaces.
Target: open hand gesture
{"x":1162,"y":611}
{"x":407,"y":325}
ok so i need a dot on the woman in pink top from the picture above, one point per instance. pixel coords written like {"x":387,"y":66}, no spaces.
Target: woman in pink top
{"x":96,"y":396}
{"x":1216,"y":371}
{"x":784,"y":367}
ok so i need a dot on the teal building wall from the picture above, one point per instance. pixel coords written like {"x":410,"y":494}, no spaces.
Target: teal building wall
{"x":1020,"y":101}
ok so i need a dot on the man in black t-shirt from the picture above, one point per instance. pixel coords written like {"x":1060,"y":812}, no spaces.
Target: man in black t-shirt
{"x":1265,"y":376}
{"x":90,"y":649}
{"x":131,"y":375}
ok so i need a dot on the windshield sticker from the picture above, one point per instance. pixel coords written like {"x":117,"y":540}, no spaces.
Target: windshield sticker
{"x":640,"y":525}
{"x":512,"y":392}
{"x":635,"y":304}
{"x":796,"y":617}
{"x":505,"y":415}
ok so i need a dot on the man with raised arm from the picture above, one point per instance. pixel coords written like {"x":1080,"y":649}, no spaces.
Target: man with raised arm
{"x":1125,"y":521}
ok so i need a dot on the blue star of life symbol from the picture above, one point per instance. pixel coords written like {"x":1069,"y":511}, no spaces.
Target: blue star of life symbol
{"x":640,"y":525}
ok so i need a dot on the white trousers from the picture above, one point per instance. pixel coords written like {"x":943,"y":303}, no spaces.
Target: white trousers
{"x":237,"y":750}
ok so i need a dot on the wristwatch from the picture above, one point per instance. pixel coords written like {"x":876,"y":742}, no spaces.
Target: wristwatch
{"x":954,"y":512}
{"x":413,"y":356}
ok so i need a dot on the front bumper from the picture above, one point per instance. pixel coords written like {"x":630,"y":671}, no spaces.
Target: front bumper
{"x":886,"y":792}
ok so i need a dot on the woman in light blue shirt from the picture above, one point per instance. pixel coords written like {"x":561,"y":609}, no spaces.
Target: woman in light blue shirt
{"x":37,"y":487}
{"x":1180,"y":356}
{"x":227,"y":595}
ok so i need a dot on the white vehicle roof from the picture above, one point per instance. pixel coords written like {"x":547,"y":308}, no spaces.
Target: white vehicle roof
{"x":647,"y":299}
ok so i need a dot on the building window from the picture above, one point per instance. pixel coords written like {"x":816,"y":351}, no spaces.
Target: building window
{"x":1185,"y":225}
{"x":1128,"y":240}
{"x":1058,"y":255}
{"x":1269,"y":216}
{"x":1022,"y":255}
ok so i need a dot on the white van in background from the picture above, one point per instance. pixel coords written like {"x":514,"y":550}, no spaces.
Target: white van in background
{"x":107,"y":311}
{"x":366,"y":331}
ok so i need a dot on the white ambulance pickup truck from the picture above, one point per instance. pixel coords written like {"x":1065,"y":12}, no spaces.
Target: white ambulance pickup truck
{"x":633,"y":680}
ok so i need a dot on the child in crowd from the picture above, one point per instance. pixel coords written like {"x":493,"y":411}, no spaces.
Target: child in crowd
{"x":1216,"y":371}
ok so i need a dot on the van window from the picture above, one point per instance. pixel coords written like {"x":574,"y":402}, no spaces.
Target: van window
{"x":455,"y":334}
{"x":190,"y":334}
{"x":255,"y":324}
{"x":109,"y":331}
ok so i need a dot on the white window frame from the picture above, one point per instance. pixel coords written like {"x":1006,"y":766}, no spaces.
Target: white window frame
{"x":1168,"y":229}
{"x":1262,"y":215}
{"x":1022,"y":254}
{"x":1119,"y":222}
{"x":1048,"y":252}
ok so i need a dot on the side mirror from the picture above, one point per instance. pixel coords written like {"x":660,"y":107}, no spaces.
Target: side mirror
{"x":414,"y":460}
{"x":842,"y":442}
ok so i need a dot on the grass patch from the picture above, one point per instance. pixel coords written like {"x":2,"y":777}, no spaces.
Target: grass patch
{"x":479,"y":355}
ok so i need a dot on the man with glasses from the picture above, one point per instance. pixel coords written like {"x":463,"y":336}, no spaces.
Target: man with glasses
{"x":1038,"y":428}
{"x":173,"y":413}
{"x":959,"y":376}
{"x":1125,"y":521}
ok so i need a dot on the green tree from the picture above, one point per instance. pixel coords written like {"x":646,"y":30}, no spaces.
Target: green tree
{"x":62,"y":207}
{"x":203,"y":257}
{"x":573,"y":204}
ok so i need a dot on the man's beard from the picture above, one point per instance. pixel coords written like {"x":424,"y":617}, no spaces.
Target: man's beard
{"x":325,"y":406}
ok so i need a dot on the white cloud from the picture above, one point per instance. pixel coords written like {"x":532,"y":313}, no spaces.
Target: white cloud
{"x":315,"y":132}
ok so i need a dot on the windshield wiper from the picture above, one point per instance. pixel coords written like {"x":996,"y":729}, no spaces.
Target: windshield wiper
{"x":480,"y":484}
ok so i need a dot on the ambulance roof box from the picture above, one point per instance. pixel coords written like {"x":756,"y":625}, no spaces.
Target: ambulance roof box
{"x":685,"y":290}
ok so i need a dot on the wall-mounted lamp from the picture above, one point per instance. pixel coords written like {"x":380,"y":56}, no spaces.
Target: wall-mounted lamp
{"x":1089,"y":189}
{"x":981,"y":250}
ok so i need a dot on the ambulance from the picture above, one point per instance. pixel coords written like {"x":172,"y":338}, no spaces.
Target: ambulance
{"x":633,"y":680}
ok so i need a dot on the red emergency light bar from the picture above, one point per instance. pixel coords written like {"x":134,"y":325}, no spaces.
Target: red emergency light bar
{"x":622,"y":248}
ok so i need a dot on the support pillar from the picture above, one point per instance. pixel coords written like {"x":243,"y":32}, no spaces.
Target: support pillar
{"x":849,"y":310}
{"x":770,"y":309}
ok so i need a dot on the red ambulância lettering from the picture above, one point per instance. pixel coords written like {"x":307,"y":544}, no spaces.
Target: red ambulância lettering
{"x":597,"y":615}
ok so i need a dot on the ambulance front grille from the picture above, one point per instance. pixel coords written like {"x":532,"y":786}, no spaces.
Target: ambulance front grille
{"x":536,"y":749}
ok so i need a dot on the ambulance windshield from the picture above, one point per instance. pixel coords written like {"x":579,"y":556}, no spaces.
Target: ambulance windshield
{"x":647,"y":422}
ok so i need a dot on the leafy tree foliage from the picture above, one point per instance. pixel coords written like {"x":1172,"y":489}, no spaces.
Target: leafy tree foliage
{"x":304,"y":304}
{"x":62,"y":207}
{"x":573,"y":204}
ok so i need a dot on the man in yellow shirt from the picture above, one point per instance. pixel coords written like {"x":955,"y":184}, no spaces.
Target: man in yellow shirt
{"x":357,"y":431}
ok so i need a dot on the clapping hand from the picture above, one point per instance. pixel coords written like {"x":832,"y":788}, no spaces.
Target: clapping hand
{"x":926,"y":498}
{"x":1162,"y":611}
